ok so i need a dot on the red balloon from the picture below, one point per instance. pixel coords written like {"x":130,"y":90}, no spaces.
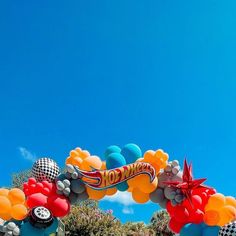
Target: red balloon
{"x":36,"y":199}
{"x":170,"y":209}
{"x":181,"y":214}
{"x":59,"y":206}
{"x":196,"y":217}
{"x":32,"y":181}
{"x":175,"y":226}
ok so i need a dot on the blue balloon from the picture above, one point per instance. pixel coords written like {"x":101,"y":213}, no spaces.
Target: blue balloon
{"x":112,"y":149}
{"x":122,"y":186}
{"x":52,"y":228}
{"x":191,"y":229}
{"x":211,"y":231}
{"x":27,"y":229}
{"x":115,"y":160}
{"x":131,"y":152}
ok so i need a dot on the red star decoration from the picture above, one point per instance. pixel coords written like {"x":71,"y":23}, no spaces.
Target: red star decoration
{"x":188,"y":183}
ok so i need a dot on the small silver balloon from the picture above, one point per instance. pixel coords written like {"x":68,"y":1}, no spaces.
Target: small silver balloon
{"x":11,"y":225}
{"x":16,"y":231}
{"x":175,"y":163}
{"x":75,"y":175}
{"x":66,"y":182}
{"x":60,"y":185}
{"x":66,"y":191}
{"x":175,"y":170}
{"x":70,"y":168}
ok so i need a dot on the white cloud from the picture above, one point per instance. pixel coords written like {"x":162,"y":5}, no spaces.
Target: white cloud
{"x":123,"y":198}
{"x":128,"y":210}
{"x":27,"y":155}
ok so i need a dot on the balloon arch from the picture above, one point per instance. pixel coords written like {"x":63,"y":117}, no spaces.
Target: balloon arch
{"x":194,"y":208}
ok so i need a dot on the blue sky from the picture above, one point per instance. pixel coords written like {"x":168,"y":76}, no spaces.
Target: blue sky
{"x":94,"y":73}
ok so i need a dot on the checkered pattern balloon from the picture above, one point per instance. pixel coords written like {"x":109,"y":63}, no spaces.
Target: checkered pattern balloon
{"x":228,"y":230}
{"x":45,"y":169}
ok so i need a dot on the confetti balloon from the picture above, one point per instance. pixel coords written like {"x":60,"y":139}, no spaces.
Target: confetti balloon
{"x":45,"y":169}
{"x":228,"y":230}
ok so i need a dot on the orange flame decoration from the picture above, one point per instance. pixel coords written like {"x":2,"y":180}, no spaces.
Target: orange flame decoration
{"x":103,"y":179}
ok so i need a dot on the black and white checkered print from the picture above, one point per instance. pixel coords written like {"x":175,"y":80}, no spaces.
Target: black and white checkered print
{"x":228,"y":230}
{"x":45,"y":169}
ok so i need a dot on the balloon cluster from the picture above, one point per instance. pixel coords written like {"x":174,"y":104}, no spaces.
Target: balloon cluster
{"x":12,"y":204}
{"x":163,"y":193}
{"x":71,"y":186}
{"x":194,"y":209}
{"x":220,"y":210}
{"x":10,"y":228}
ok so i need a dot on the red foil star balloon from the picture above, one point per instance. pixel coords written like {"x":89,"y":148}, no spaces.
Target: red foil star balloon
{"x":188,"y":183}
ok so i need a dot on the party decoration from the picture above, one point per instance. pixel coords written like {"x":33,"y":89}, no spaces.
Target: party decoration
{"x":45,"y":169}
{"x":109,"y":178}
{"x":228,"y":230}
{"x":194,"y":209}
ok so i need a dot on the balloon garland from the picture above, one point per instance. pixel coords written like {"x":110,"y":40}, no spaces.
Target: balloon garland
{"x":194,"y":208}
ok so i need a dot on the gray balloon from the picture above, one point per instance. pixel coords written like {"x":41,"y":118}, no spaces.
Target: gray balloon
{"x":175,"y":170}
{"x":16,"y":231}
{"x":66,"y":182}
{"x":83,"y":196}
{"x":75,"y":175}
{"x":60,"y":185}
{"x":11,"y":225}
{"x":73,"y":198}
{"x":70,"y":168}
{"x":66,"y":191}
{"x":77,"y":186}
{"x":9,"y":233}
{"x":179,"y":198}
{"x":175,"y":163}
{"x":169,"y":193}
{"x":163,"y":203}
{"x":157,"y":196}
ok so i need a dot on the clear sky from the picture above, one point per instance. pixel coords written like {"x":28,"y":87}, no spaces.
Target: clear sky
{"x":92,"y":73}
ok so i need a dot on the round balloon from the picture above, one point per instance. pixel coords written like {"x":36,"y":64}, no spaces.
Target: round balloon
{"x":115,"y":160}
{"x":112,"y":149}
{"x":228,"y":230}
{"x":131,"y":152}
{"x":45,"y":169}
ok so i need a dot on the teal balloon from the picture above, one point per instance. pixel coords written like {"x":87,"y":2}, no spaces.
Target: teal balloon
{"x":131,"y":152}
{"x":211,"y":231}
{"x":115,"y":160}
{"x":77,"y":186}
{"x":191,"y":229}
{"x":122,"y":186}
{"x":112,"y":149}
{"x":52,"y":228}
{"x":27,"y":229}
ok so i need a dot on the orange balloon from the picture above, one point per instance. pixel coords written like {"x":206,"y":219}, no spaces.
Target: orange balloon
{"x":84,"y":154}
{"x":74,"y":153}
{"x":19,"y":212}
{"x":111,"y":191}
{"x":133,"y":182}
{"x":139,"y":196}
{"x":91,"y":162}
{"x":211,"y":217}
{"x":230,"y":201}
{"x":4,"y":192}
{"x":146,"y":186}
{"x":103,"y":166}
{"x":5,"y":204}
{"x":69,"y":160}
{"x":96,"y":194}
{"x":148,"y":155}
{"x":16,"y":196}
{"x":216,"y":201}
{"x":227,"y":214}
{"x":130,"y":189}
{"x":77,"y":161}
{"x":5,"y":216}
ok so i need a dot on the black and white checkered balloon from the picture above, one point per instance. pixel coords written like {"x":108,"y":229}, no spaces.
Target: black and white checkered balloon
{"x":45,"y":169}
{"x":228,"y":230}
